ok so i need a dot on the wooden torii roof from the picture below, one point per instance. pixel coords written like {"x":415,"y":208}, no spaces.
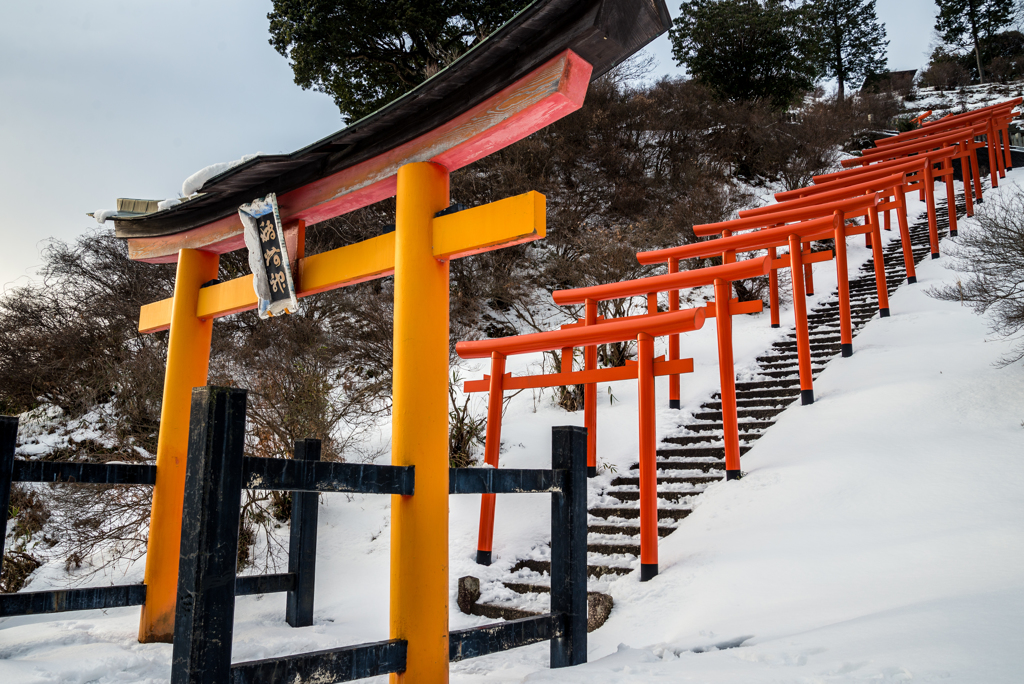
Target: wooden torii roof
{"x":532,"y":71}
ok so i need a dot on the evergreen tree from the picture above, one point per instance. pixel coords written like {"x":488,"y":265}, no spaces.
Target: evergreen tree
{"x":755,"y":50}
{"x":966,"y":24}
{"x":852,"y":40}
{"x":365,"y":53}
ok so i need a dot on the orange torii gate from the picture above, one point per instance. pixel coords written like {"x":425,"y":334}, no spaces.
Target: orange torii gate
{"x":919,"y":172}
{"x":533,"y":71}
{"x":641,"y":328}
{"x":644,"y":328}
{"x":793,"y":235}
{"x":996,"y":121}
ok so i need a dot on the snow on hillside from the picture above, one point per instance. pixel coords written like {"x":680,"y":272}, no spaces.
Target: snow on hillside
{"x":878,"y":534}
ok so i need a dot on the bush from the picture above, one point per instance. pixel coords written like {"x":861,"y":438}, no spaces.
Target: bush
{"x":990,"y":255}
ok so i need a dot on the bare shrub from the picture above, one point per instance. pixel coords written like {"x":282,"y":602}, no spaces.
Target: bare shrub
{"x":990,"y":257}
{"x":944,"y":75}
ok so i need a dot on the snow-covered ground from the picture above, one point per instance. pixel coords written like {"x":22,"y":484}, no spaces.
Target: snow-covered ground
{"x":878,"y":534}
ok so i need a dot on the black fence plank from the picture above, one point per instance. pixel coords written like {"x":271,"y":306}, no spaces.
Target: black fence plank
{"x":333,"y":665}
{"x":503,"y":636}
{"x":302,"y":543}
{"x":289,"y":474}
{"x":264,"y":584}
{"x":8,"y":443}
{"x":64,"y":600}
{"x":569,"y":544}
{"x":85,"y":473}
{"x":499,"y":481}
{"x":204,"y":615}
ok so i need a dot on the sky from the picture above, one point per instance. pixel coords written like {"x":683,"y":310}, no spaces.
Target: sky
{"x":120,"y":98}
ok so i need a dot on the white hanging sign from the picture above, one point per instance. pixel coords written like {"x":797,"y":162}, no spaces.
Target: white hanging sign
{"x":268,"y":257}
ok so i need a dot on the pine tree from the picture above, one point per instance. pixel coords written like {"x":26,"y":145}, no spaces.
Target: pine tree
{"x":852,"y":40}
{"x":365,"y":53}
{"x":755,"y":50}
{"x":968,"y":23}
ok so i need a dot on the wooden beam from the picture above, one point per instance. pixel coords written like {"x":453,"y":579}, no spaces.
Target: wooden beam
{"x":507,"y":222}
{"x":627,"y":372}
{"x":510,"y":221}
{"x":543,"y":96}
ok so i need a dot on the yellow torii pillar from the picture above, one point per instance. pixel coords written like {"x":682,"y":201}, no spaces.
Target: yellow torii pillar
{"x":417,"y":253}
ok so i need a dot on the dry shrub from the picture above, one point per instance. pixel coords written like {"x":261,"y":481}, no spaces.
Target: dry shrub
{"x":990,"y":257}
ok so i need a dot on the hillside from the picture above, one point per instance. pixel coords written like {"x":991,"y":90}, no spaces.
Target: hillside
{"x":878,"y":534}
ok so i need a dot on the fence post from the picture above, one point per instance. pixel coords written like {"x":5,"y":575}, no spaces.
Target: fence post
{"x":8,"y":442}
{"x":569,"y":544}
{"x":205,"y":609}
{"x":302,"y":543}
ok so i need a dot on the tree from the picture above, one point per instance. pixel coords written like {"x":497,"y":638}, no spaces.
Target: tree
{"x":852,"y":40}
{"x":755,"y":50}
{"x":365,"y":53}
{"x":967,"y":24}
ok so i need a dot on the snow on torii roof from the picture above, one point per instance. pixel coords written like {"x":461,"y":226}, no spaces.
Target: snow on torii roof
{"x":601,"y":32}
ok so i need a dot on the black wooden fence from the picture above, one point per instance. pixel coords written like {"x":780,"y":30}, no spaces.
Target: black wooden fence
{"x":298,"y":581}
{"x":217,"y":470}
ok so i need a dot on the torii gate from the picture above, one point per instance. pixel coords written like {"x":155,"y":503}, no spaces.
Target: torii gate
{"x":416,"y":172}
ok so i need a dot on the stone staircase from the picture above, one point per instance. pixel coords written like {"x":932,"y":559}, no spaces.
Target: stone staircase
{"x":690,"y":461}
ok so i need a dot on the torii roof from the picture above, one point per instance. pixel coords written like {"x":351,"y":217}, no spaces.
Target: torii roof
{"x":601,"y":32}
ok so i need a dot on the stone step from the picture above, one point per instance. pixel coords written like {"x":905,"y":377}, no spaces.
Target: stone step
{"x":765,"y":384}
{"x":630,"y":513}
{"x":744,"y":426}
{"x":747,"y":403}
{"x":544,"y":567}
{"x":633,"y":530}
{"x":695,"y":466}
{"x":634,"y":495}
{"x":701,"y":452}
{"x":741,"y":413}
{"x":623,"y":481}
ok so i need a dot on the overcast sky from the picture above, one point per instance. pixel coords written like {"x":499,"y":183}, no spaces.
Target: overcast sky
{"x":126,"y":98}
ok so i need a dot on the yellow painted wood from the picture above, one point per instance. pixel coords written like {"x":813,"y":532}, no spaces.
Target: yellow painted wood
{"x":490,"y":226}
{"x":419,"y":429}
{"x":188,"y":360}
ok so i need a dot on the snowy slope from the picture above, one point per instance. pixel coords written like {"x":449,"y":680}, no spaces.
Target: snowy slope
{"x":878,"y":535}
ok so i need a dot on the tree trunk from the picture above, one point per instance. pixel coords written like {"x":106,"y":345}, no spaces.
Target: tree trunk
{"x":973,"y":15}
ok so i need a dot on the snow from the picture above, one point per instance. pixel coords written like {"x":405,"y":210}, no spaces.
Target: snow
{"x":877,"y":536}
{"x":167,"y":203}
{"x":195,"y":182}
{"x":102,"y":216}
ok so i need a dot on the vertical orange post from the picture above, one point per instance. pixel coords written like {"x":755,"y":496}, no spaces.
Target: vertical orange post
{"x":976,"y":173}
{"x":843,"y":278}
{"x":888,"y":220}
{"x":727,"y":377}
{"x":878,"y":257}
{"x":947,"y":165}
{"x":648,"y":459}
{"x":773,"y":290}
{"x":965,"y":173}
{"x":808,"y":277}
{"x":993,"y":165}
{"x":419,"y":523}
{"x":492,"y":447}
{"x":673,"y":341}
{"x":933,"y":225}
{"x":908,"y":252}
{"x":803,"y":342}
{"x":590,"y":393}
{"x":188,"y":361}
